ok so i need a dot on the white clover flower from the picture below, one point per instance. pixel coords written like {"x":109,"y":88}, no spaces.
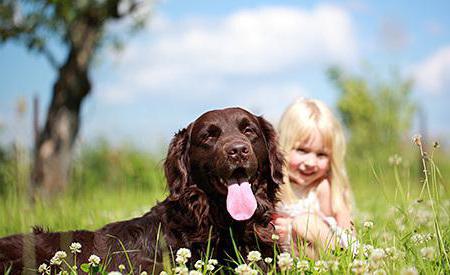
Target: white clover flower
{"x":379,"y":272}
{"x":391,"y":252}
{"x":377,"y":254}
{"x":358,"y":266}
{"x":244,"y":269}
{"x":275,"y":237}
{"x":143,"y":273}
{"x":409,"y":271}
{"x":163,"y":273}
{"x":213,"y":262}
{"x":428,"y":253}
{"x":395,"y":159}
{"x":367,"y":249}
{"x":181,"y":270}
{"x":195,"y":272}
{"x":121,"y":267}
{"x":210,"y":267}
{"x":302,"y":265}
{"x":44,"y":269}
{"x":254,"y":256}
{"x":56,"y":260}
{"x":285,"y":261}
{"x":268,"y":260}
{"x":114,"y":273}
{"x":94,"y":260}
{"x":321,"y":266}
{"x":368,"y":224}
{"x":199,"y":264}
{"x":417,"y":238}
{"x":184,"y":252}
{"x":61,"y":254}
{"x":75,"y":248}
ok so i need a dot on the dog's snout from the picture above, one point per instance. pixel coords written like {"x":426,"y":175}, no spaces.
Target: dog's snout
{"x":238,"y":150}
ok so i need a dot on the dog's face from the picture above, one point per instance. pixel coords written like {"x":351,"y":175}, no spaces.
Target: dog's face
{"x":227,"y":147}
{"x":226,"y":154}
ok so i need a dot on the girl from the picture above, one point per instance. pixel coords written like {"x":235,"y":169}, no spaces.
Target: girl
{"x":315,"y":199}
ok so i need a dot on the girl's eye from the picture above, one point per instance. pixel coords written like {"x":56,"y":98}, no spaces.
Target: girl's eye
{"x":301,"y":150}
{"x":322,"y":155}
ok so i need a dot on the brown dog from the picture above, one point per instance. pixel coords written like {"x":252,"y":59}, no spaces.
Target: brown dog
{"x":223,"y":172}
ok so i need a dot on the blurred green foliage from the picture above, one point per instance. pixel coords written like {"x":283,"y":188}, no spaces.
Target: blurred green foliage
{"x":378,"y":115}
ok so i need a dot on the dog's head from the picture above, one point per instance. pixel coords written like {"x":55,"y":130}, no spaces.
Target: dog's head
{"x":229,"y":156}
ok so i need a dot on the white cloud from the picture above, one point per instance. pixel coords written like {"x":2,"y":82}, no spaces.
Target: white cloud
{"x":197,"y":54}
{"x":432,"y":75}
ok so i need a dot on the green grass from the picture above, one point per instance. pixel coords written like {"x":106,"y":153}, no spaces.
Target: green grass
{"x":409,"y":212}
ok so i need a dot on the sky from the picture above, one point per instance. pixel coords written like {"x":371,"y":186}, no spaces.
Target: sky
{"x":194,"y":56}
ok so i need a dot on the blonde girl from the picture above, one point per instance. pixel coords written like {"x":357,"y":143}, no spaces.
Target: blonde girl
{"x":315,"y":199}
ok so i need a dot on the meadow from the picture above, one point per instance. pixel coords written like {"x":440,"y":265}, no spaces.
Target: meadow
{"x":402,"y":210}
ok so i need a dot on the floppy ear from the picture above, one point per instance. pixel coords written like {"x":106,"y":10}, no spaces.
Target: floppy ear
{"x":275,"y":156}
{"x":176,"y":165}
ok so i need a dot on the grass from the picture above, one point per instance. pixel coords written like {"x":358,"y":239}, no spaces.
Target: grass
{"x":402,"y":214}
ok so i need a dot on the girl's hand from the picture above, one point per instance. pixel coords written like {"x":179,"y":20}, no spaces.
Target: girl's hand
{"x":283,"y":227}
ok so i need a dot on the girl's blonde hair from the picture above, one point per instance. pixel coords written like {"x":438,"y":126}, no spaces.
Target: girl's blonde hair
{"x":299,"y":121}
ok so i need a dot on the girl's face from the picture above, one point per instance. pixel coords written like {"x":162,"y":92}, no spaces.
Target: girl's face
{"x":309,"y":162}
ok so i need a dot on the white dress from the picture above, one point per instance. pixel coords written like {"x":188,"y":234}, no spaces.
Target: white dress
{"x":310,"y":205}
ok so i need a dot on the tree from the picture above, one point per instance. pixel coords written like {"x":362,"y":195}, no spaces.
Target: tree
{"x":377,"y":114}
{"x":81,"y":28}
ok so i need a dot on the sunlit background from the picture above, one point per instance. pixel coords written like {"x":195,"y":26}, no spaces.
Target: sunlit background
{"x":195,"y":56}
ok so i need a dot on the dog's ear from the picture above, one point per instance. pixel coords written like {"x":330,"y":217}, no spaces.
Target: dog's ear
{"x":176,"y":165}
{"x":276,"y":158}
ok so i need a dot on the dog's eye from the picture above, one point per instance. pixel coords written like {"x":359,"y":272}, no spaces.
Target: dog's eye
{"x":249,"y":131}
{"x":212,"y":133}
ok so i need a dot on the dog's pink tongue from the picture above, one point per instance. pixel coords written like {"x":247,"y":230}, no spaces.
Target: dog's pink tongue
{"x":241,"y":203}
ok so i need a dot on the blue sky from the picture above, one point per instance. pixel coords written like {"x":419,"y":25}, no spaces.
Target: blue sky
{"x":200,"y":55}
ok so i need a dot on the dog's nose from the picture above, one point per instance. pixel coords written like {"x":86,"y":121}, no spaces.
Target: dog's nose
{"x":237,"y":150}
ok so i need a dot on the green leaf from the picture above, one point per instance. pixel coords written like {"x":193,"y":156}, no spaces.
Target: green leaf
{"x":85,"y":267}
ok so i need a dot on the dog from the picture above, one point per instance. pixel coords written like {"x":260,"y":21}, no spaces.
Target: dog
{"x":223,"y":172}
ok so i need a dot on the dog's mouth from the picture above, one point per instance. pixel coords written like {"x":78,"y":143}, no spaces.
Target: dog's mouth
{"x":241,"y":202}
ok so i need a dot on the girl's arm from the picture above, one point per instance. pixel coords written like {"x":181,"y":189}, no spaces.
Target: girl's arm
{"x":343,"y":218}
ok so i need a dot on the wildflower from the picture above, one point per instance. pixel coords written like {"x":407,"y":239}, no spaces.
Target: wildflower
{"x":44,"y":269}
{"x":417,"y":139}
{"x":321,"y":266}
{"x":275,"y":237}
{"x":368,"y":224}
{"x":143,"y":273}
{"x":114,"y":273}
{"x":163,"y":273}
{"x":395,"y":159}
{"x":121,"y":267}
{"x":195,"y":272}
{"x":358,"y":266}
{"x":210,"y":267}
{"x":391,"y":252}
{"x":94,"y":260}
{"x":181,"y":270}
{"x":75,"y":248}
{"x":409,"y":271}
{"x":379,"y":272}
{"x":268,"y":260}
{"x":428,"y":253}
{"x":377,"y":254}
{"x":199,"y":264}
{"x":254,"y":256}
{"x":244,"y":269}
{"x":367,"y":249}
{"x":302,"y":265}
{"x":213,"y":262}
{"x":285,"y":261}
{"x":57,"y":259}
{"x":183,"y":254}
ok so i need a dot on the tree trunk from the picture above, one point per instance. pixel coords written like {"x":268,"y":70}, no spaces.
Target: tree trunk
{"x":53,"y":150}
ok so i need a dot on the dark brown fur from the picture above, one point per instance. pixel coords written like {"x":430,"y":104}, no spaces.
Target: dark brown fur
{"x":198,"y":167}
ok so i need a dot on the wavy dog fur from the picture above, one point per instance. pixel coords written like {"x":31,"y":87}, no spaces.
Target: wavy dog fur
{"x":192,"y":215}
